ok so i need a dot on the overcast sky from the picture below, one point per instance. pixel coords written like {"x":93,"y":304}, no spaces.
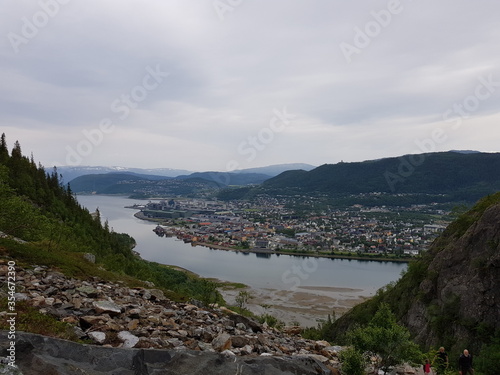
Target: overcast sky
{"x":233,"y":84}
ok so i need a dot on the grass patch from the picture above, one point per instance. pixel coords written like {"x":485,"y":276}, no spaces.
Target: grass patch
{"x":227,"y":285}
{"x":29,"y":319}
{"x":69,"y":263}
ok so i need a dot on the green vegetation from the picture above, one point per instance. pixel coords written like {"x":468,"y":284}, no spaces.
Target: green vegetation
{"x":37,"y":208}
{"x":29,"y":319}
{"x":379,"y":335}
{"x":353,"y":362}
{"x":242,"y":299}
{"x":389,"y":340}
{"x":441,"y":177}
{"x":271,"y":321}
{"x":488,"y":362}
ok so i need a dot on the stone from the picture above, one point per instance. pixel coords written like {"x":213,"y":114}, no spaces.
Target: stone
{"x":38,"y":301}
{"x":98,"y":337}
{"x":173,"y":333}
{"x":169,"y":313}
{"x":169,"y":324}
{"x":247,"y":350}
{"x":79,"y":332}
{"x":263,"y":339}
{"x":254,"y":326}
{"x":207,"y":336}
{"x":91,"y":321}
{"x":133,"y":324}
{"x":228,"y":353}
{"x":153,"y":319}
{"x":318,"y":357}
{"x":134,"y":313}
{"x":114,"y":326}
{"x":89,"y":257}
{"x":227,"y":311}
{"x":156,"y":295}
{"x":50,"y":290}
{"x":70,"y":319}
{"x":240,"y":341}
{"x":190,"y":307}
{"x":88,"y":291}
{"x":77,"y":301}
{"x":4,"y":269}
{"x":321,"y":344}
{"x":222,"y":342}
{"x":175,"y":342}
{"x":145,"y":294}
{"x":129,"y":340}
{"x":106,"y":307}
{"x":182,"y":333}
{"x":205,"y":347}
{"x":21,"y":297}
{"x":294,"y":330}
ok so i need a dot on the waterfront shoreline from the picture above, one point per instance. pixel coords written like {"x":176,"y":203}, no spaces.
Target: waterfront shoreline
{"x":139,"y":215}
{"x":315,"y":255}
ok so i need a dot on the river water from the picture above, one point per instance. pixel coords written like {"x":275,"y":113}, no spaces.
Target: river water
{"x":289,"y":279}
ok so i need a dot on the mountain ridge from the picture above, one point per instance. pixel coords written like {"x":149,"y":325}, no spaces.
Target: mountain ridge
{"x":444,"y":176}
{"x":71,"y":172}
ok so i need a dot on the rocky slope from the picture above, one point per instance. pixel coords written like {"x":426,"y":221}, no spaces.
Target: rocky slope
{"x":113,"y":315}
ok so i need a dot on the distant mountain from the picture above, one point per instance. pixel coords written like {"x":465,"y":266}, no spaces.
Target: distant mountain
{"x":466,"y":151}
{"x":102,"y":182}
{"x":70,"y":173}
{"x":140,"y":186}
{"x":229,"y":178}
{"x":274,"y":170}
{"x":152,"y":185}
{"x":443,"y":177}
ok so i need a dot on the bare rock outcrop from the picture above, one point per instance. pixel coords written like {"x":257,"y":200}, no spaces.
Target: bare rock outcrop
{"x":44,"y":355}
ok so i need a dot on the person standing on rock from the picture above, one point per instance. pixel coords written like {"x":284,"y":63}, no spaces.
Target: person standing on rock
{"x":441,"y":361}
{"x":465,"y":363}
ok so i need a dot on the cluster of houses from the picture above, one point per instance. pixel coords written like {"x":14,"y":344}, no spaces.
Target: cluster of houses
{"x":271,"y":225}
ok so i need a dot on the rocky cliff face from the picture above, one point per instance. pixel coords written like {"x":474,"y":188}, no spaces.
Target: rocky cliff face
{"x":458,"y":300}
{"x":451,"y":296}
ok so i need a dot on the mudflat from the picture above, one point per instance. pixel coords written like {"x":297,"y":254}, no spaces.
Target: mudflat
{"x":306,"y":305}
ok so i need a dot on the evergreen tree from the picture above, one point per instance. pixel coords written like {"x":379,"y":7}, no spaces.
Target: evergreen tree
{"x":4,"y":152}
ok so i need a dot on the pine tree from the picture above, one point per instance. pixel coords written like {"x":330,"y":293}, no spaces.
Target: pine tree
{"x":4,"y":152}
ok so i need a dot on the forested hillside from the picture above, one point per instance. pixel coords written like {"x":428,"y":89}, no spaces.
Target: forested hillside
{"x":37,"y":208}
{"x":411,"y":179}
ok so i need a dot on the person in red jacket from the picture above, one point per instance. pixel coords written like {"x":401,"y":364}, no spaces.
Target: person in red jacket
{"x":465,"y":363}
{"x":427,"y":367}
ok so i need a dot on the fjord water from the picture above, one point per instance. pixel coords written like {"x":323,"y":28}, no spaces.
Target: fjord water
{"x":282,"y":272}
